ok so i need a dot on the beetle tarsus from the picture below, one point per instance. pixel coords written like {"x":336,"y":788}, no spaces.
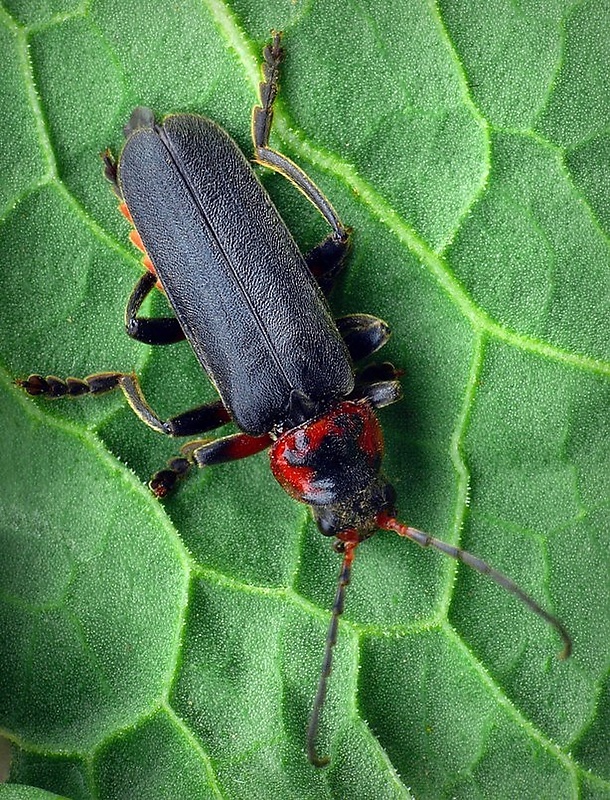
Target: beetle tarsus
{"x":163,"y":481}
{"x":54,"y":388}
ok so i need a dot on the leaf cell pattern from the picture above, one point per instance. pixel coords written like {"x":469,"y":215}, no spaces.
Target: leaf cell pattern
{"x":173,"y":652}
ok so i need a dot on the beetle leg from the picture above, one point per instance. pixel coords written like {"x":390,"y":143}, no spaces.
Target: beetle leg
{"x":379,"y":384}
{"x":110,"y":171}
{"x":157,"y":330}
{"x":363,"y":334}
{"x":228,"y":448}
{"x":379,"y":394}
{"x":204,"y":453}
{"x":262,"y":118}
{"x":325,"y":261}
{"x":377,"y":372}
{"x":196,"y":420}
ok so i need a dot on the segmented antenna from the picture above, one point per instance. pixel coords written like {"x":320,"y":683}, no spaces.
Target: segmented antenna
{"x":425,"y":540}
{"x":331,"y":639}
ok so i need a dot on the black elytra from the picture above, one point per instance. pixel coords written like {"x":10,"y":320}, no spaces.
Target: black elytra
{"x":234,"y":276}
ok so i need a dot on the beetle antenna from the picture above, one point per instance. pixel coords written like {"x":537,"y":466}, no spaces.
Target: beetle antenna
{"x":331,"y":639}
{"x":425,"y":540}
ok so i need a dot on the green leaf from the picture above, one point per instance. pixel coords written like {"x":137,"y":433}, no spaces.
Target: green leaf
{"x":173,"y":651}
{"x":16,"y":792}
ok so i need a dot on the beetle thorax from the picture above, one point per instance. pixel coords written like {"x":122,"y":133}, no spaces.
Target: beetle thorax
{"x":332,"y":463}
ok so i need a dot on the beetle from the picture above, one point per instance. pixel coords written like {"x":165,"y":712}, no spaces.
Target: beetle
{"x":255,"y":312}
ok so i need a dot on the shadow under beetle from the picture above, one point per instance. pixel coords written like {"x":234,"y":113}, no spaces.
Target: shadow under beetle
{"x":254,"y":310}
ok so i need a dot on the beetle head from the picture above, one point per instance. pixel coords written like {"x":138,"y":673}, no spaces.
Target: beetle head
{"x":332,"y":463}
{"x":141,"y":118}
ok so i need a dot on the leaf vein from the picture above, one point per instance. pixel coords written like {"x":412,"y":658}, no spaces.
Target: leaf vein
{"x":505,"y":702}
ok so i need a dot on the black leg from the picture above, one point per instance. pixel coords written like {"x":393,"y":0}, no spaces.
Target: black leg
{"x":363,"y":334}
{"x":159,"y":330}
{"x":204,"y":453}
{"x":262,"y":118}
{"x":379,"y":394}
{"x":377,"y":372}
{"x":110,"y":171}
{"x":326,"y":261}
{"x":229,"y":448}
{"x":197,"y":420}
{"x":378,"y":383}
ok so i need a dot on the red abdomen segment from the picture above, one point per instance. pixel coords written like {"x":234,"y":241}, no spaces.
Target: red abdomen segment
{"x":330,"y":459}
{"x":136,"y":240}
